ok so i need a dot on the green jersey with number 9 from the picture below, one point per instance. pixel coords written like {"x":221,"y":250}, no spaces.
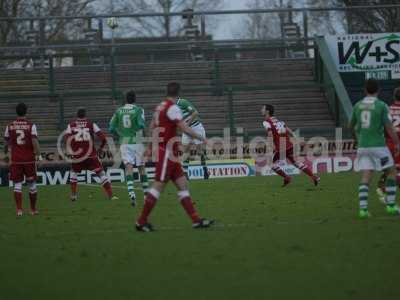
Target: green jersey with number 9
{"x":127,"y":121}
{"x":369,"y":118}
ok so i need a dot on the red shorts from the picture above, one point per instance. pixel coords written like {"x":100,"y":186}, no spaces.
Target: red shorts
{"x":92,"y":164}
{"x":21,"y":170}
{"x":284,"y":155}
{"x":167,"y":169}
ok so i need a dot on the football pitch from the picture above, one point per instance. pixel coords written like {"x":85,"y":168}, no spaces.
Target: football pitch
{"x":269,"y":242}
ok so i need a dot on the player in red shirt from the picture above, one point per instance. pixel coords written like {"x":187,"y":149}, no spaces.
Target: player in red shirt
{"x":21,"y":139}
{"x":395,"y":117}
{"x":80,"y":139}
{"x":283,"y":147}
{"x":167,"y":119}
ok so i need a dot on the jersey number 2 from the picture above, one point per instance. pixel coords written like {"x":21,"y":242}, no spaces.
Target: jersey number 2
{"x":20,"y":137}
{"x":396,"y":121}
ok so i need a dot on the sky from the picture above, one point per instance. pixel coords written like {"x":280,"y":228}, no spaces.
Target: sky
{"x":227,"y":32}
{"x":224,"y":27}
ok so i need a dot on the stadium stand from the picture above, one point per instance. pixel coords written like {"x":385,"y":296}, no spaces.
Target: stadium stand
{"x":287,"y":83}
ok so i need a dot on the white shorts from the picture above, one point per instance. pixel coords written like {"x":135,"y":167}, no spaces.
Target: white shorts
{"x":132,"y":154}
{"x":376,"y":158}
{"x":199,"y":129}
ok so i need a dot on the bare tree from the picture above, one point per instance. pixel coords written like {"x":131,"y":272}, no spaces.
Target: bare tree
{"x":261,"y":26}
{"x":325,"y":22}
{"x":55,"y":29}
{"x":363,"y":20}
{"x":164,"y":26}
{"x":8,"y":8}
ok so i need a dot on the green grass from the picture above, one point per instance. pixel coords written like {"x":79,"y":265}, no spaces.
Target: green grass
{"x":295,"y":243}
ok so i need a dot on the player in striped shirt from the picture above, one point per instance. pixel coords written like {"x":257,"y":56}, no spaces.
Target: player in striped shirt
{"x":191,"y":118}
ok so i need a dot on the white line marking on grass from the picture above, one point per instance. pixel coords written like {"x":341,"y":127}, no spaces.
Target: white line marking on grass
{"x":114,"y":186}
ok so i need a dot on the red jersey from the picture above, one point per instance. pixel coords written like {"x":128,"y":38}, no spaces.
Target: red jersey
{"x":80,"y":138}
{"x":279,"y":133}
{"x":19,"y":135}
{"x":166,"y":119}
{"x":395,"y":117}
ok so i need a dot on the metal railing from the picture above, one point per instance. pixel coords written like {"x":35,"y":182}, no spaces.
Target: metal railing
{"x":335,"y":91}
{"x":326,"y":74}
{"x":212,"y":54}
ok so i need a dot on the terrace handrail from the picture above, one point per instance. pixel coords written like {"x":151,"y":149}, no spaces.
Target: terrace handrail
{"x":327,"y":73}
{"x":211,"y":44}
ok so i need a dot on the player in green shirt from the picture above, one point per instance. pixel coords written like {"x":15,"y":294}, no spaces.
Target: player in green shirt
{"x":369,"y":121}
{"x":191,"y":117}
{"x":128,"y":123}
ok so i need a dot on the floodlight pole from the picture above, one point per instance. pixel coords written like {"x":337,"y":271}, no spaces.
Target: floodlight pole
{"x":112,"y":29}
{"x":281,"y":19}
{"x":113,"y":72}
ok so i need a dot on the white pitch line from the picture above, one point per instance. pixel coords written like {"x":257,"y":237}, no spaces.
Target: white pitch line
{"x":114,"y":186}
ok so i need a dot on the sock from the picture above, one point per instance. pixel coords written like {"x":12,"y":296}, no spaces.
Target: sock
{"x":187,"y":203}
{"x":391,"y":189}
{"x":363,"y":191}
{"x":74,"y":182}
{"x":203,"y":160}
{"x":186,"y":166}
{"x":382,"y":183}
{"x":279,"y":171}
{"x":33,"y":195}
{"x":18,"y":195}
{"x":149,"y":203}
{"x":145,"y":182}
{"x":106,"y":184}
{"x":304,"y":169}
{"x":108,"y":188}
{"x":129,"y":184}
